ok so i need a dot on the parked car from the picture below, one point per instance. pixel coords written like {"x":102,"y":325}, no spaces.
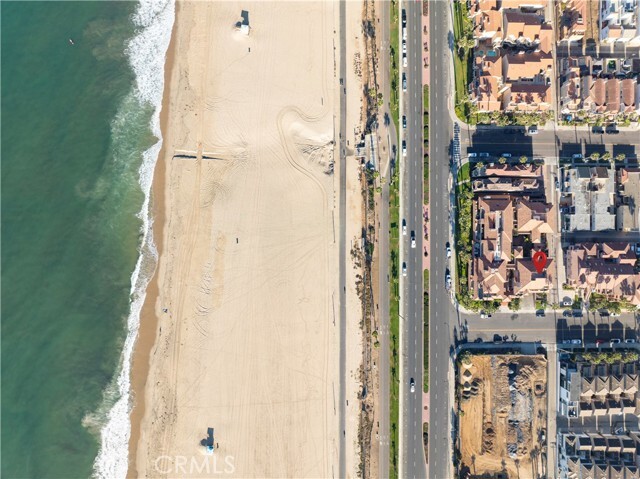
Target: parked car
{"x":540,"y":313}
{"x":484,"y":155}
{"x":404,"y":269}
{"x":448,"y":280}
{"x":566,"y":313}
{"x":404,"y":148}
{"x":448,"y":251}
{"x":404,"y":82}
{"x":404,"y":47}
{"x":597,"y":129}
{"x":412,"y":385}
{"x":506,"y":155}
{"x":404,"y":121}
{"x":612,"y":129}
{"x":404,"y":60}
{"x":533,"y":130}
{"x":404,"y":227}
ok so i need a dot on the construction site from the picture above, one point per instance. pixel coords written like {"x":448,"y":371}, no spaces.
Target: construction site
{"x":502,"y":404}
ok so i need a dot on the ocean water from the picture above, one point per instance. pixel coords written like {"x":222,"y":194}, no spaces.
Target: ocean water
{"x":80,"y":137}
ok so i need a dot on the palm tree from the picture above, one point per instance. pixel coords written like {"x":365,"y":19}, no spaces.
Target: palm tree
{"x":595,"y":156}
{"x":523,"y":159}
{"x":606,"y":156}
{"x":479,"y":165}
{"x":502,"y":160}
{"x":621,"y":157}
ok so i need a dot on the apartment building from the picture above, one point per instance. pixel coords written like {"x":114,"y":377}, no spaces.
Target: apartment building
{"x":598,"y":88}
{"x":618,"y":21}
{"x":588,"y":199}
{"x":593,"y":397}
{"x":597,"y":389}
{"x":592,"y":455}
{"x":573,"y":19}
{"x":628,"y":203}
{"x":512,"y":59}
{"x":608,"y":269}
{"x":511,"y":220}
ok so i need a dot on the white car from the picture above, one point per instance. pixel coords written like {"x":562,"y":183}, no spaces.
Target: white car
{"x":412,"y":385}
{"x":404,"y":227}
{"x":404,"y":269}
{"x":404,"y":47}
{"x":448,"y":251}
{"x":404,"y":60}
{"x":404,"y":148}
{"x":413,"y":239}
{"x":404,"y":82}
{"x":404,"y":33}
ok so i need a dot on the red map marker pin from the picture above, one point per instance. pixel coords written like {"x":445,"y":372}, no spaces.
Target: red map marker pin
{"x":539,"y":260}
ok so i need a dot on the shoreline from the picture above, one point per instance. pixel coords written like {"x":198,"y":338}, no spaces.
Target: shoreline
{"x":148,"y":318}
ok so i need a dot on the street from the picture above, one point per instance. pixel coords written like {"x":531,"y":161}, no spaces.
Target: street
{"x":411,"y":460}
{"x":440,"y":307}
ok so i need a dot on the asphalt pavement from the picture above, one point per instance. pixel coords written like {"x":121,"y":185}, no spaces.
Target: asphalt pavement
{"x":412,"y":459}
{"x":549,"y":142}
{"x":441,"y":319}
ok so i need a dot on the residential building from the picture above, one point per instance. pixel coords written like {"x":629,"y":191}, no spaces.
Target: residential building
{"x":592,"y":455}
{"x":619,"y":21}
{"x":513,"y":62}
{"x":597,"y":389}
{"x":600,"y":395}
{"x":573,"y":19}
{"x":608,"y":269}
{"x":511,"y":220}
{"x":588,"y":199}
{"x":628,"y":211}
{"x":594,"y":88}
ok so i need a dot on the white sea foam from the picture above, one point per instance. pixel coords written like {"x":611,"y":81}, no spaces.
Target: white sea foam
{"x":147,"y":52}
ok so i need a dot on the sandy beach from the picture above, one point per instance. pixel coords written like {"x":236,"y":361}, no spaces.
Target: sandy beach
{"x":239,"y":331}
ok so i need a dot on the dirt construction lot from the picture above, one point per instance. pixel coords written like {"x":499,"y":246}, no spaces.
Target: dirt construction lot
{"x":503,"y":416}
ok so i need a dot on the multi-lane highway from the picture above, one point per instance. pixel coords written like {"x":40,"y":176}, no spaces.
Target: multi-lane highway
{"x":411,"y":460}
{"x":440,"y":308}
